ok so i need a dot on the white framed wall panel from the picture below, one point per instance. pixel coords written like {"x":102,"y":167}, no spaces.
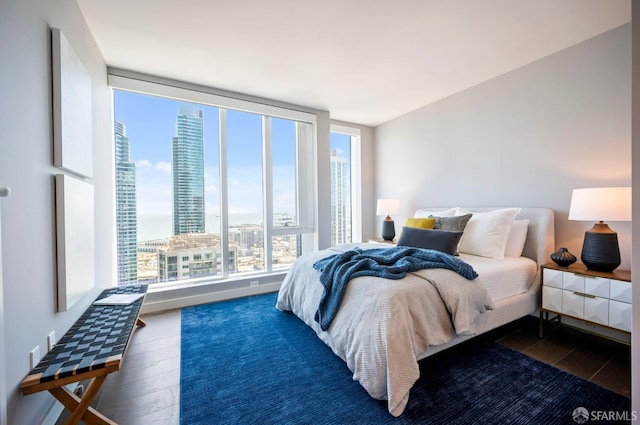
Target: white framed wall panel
{"x":72,"y":123}
{"x":75,"y":239}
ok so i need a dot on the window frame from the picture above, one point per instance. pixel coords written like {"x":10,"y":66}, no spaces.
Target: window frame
{"x":306,"y":171}
{"x":355,"y":177}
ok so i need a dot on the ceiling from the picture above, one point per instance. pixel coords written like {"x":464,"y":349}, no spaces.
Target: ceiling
{"x":366,"y":61}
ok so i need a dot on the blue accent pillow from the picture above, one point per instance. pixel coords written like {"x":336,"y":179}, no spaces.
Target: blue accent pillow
{"x":440,"y":240}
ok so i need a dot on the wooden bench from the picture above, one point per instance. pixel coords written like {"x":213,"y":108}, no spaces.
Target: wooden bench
{"x":93,"y":348}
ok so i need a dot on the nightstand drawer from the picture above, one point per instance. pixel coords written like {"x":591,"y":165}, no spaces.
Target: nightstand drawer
{"x":552,"y":299}
{"x":597,"y":310}
{"x":620,"y":291}
{"x":620,"y":315}
{"x":552,"y":278}
{"x":572,"y":282}
{"x":597,"y":286}
{"x":572,"y":304}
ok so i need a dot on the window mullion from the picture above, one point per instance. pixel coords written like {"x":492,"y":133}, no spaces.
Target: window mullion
{"x":234,"y":248}
{"x":224,"y":197}
{"x":356,"y":192}
{"x":267,"y":185}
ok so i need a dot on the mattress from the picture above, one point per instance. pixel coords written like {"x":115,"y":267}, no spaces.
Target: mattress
{"x":503,"y":278}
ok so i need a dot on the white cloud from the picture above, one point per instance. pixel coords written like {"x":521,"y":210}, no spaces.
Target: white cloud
{"x":163,"y":166}
{"x":143,"y":163}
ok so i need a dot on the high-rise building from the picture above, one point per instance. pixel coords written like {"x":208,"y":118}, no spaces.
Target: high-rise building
{"x":193,"y":256}
{"x":340,"y":202}
{"x":126,"y":213}
{"x":188,"y":172}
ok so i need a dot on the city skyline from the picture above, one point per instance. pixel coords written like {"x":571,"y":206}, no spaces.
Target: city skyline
{"x":168,"y":200}
{"x":151,"y":127}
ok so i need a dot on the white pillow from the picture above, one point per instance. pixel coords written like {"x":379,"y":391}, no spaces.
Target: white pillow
{"x":517,"y":238}
{"x":487,"y":232}
{"x":445,"y":213}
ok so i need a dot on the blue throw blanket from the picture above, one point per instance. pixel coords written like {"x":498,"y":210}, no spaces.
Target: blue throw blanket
{"x":390,"y":263}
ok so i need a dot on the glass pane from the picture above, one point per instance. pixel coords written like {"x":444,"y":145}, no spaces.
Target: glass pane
{"x":283,"y":151}
{"x":168,"y":190}
{"x":285,"y":250}
{"x":340,"y":188}
{"x":174,"y":146}
{"x":244,"y":175}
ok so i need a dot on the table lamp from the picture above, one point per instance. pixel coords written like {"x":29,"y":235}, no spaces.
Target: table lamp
{"x":388,"y":207}
{"x":600,"y":250}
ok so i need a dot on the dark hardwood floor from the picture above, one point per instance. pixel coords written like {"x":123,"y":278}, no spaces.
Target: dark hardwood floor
{"x":596,"y":359}
{"x":146,"y":390}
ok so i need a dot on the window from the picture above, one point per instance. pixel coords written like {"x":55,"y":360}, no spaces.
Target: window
{"x":345,"y":192}
{"x":214,"y":184}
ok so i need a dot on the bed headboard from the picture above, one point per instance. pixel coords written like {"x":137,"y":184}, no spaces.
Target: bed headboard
{"x":540,"y":241}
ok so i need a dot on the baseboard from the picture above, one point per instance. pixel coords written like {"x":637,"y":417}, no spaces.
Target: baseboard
{"x":204,"y":298}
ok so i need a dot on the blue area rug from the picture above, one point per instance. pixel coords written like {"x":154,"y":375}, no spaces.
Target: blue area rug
{"x":245,"y":362}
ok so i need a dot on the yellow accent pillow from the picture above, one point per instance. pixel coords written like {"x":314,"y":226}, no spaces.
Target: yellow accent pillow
{"x":421,"y":223}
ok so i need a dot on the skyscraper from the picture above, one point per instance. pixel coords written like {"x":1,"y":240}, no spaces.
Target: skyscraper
{"x":126,"y":212}
{"x":188,"y":172}
{"x":340,"y":203}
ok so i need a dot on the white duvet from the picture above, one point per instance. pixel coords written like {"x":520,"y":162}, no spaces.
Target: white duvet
{"x":383,"y":325}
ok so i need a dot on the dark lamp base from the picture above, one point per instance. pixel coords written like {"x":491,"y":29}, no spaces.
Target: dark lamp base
{"x":388,"y":230}
{"x":600,"y":251}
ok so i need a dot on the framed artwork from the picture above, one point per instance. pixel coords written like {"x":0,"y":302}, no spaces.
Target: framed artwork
{"x":72,"y":127}
{"x":75,"y":239}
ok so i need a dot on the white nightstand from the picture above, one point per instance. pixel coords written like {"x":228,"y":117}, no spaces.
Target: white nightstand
{"x":594,"y":297}
{"x":380,"y":240}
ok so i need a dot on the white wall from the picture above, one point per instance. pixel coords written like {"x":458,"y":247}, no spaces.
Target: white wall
{"x":526,"y":138}
{"x":28,"y":226}
{"x":635,"y":266}
{"x":3,"y":365}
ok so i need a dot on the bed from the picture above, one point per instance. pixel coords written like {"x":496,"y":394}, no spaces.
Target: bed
{"x":384,"y":327}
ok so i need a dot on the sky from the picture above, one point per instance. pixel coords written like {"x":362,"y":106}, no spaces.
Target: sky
{"x":150,"y":123}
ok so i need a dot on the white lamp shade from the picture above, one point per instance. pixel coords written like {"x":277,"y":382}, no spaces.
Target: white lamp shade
{"x":388,"y":207}
{"x":601,"y":204}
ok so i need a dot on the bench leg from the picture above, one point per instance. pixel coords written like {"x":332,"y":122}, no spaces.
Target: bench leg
{"x":140,"y":323}
{"x":80,"y":407}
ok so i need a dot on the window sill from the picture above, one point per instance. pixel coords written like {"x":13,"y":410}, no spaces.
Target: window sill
{"x":178,"y":295}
